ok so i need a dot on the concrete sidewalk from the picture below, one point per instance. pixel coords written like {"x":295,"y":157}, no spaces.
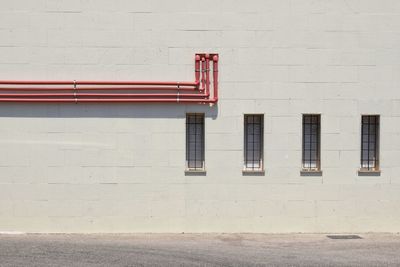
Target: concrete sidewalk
{"x":198,"y":250}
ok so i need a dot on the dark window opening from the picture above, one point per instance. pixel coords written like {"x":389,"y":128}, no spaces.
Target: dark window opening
{"x":195,"y":141}
{"x":370,"y":142}
{"x":253,"y":142}
{"x":311,"y":142}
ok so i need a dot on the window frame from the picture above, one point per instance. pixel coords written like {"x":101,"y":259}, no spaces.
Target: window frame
{"x":316,"y":169}
{"x":187,"y":157}
{"x":377,"y":124}
{"x":260,"y":169}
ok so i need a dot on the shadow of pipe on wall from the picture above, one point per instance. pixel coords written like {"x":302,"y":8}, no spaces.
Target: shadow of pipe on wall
{"x":109,"y":110}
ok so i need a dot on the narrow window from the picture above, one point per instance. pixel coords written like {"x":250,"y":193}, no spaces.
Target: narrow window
{"x":370,"y":142}
{"x":253,"y":142}
{"x":195,"y":142}
{"x":311,"y":142}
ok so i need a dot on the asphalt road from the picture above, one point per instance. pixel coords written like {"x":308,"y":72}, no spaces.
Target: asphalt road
{"x":198,"y":250}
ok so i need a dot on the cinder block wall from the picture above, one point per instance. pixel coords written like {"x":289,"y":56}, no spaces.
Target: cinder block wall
{"x":120,"y":167}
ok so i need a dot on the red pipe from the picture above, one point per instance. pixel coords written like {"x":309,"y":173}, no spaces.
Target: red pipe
{"x":203,"y":81}
{"x":136,"y":83}
{"x":102,"y":95}
{"x":207,"y":74}
{"x":95,"y":88}
{"x":215,"y":77}
{"x":42,"y":90}
{"x":106,"y":100}
{"x":38,"y":82}
{"x":197,"y":68}
{"x":99,"y":83}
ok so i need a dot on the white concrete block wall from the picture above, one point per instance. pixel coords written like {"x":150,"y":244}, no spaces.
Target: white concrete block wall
{"x":120,"y":167}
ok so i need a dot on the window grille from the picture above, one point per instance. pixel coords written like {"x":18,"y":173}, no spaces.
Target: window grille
{"x":195,"y":141}
{"x":370,"y":142}
{"x":253,"y":142}
{"x":311,"y":142}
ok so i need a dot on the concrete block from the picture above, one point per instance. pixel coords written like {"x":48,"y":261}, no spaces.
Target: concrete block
{"x":274,"y":107}
{"x":254,"y":56}
{"x":68,"y":175}
{"x":301,"y":208}
{"x":27,"y":208}
{"x":286,"y":142}
{"x":330,"y":159}
{"x":279,"y":73}
{"x":350,"y":125}
{"x":288,"y":125}
{"x":395,"y":107}
{"x":224,"y":125}
{"x":14,"y":55}
{"x":229,"y":108}
{"x":284,"y":158}
{"x":340,"y":141}
{"x":224,"y":141}
{"x":289,"y":56}
{"x":347,"y":107}
{"x":305,"y":106}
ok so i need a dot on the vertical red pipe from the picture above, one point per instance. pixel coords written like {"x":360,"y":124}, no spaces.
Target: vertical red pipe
{"x":215,"y":77}
{"x":197,"y":69}
{"x":203,"y":67}
{"x":207,"y":73}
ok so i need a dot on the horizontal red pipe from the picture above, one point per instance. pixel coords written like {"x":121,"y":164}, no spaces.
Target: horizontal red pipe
{"x":38,"y":82}
{"x":101,"y":95}
{"x":136,"y":83}
{"x":95,"y":88}
{"x":64,"y":100}
{"x":100,"y":83}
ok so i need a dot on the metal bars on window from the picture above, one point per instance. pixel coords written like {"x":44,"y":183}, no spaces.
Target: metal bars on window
{"x":253,"y":142}
{"x":370,"y":142}
{"x":195,"y":141}
{"x":311,"y":142}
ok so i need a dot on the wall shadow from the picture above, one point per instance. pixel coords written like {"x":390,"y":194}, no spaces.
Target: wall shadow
{"x":105,"y":110}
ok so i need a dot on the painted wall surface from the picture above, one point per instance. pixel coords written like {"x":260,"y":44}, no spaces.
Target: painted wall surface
{"x":120,"y":167}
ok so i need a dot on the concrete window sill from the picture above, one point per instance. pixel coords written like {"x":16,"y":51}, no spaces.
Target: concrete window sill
{"x":253,"y":173}
{"x":195,"y":173}
{"x":369,"y":173}
{"x":311,"y":173}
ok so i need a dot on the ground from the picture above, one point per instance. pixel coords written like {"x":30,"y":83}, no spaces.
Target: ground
{"x":198,"y":250}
